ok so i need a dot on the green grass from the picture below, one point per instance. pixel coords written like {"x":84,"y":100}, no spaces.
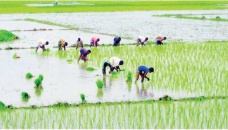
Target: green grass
{"x":104,"y":6}
{"x":190,"y":17}
{"x":188,"y":114}
{"x":6,"y":36}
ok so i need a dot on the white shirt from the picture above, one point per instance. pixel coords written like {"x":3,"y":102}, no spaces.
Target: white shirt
{"x":114,"y":61}
{"x":42,"y":42}
{"x":142,"y":38}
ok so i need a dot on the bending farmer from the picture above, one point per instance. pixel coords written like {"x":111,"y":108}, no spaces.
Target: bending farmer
{"x":141,"y":40}
{"x":83,"y":54}
{"x":94,"y":41}
{"x":62,"y":44}
{"x":113,"y":64}
{"x":79,"y":43}
{"x":41,"y":44}
{"x":143,"y":71}
{"x":116,"y":41}
{"x":159,"y":40}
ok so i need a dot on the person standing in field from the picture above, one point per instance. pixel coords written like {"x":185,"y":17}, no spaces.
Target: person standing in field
{"x":141,"y":40}
{"x":143,"y":71}
{"x":79,"y":43}
{"x":113,"y":64}
{"x":62,"y":44}
{"x":41,"y":44}
{"x":159,"y":40}
{"x":116,"y":41}
{"x":94,"y":41}
{"x":83,"y":54}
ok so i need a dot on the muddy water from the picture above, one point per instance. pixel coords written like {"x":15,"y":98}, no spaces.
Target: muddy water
{"x":64,"y":82}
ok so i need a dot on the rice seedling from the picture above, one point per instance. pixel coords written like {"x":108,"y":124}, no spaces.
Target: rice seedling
{"x":2,"y":105}
{"x":6,"y":36}
{"x":15,"y":56}
{"x":90,"y":69}
{"x":129,"y":77}
{"x":25,"y":96}
{"x":82,"y":96}
{"x":100,"y":84}
{"x":41,"y":77}
{"x":38,"y":83}
{"x":29,"y":75}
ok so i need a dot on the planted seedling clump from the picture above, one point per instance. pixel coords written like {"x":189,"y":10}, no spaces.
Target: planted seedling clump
{"x":90,"y":69}
{"x":38,"y":83}
{"x":166,"y":98}
{"x":129,"y":77}
{"x":29,"y":76}
{"x":25,"y":95}
{"x":41,"y":77}
{"x":100,"y":84}
{"x":2,"y":105}
{"x":83,"y":98}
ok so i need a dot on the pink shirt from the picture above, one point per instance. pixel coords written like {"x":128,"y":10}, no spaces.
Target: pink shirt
{"x":94,"y":39}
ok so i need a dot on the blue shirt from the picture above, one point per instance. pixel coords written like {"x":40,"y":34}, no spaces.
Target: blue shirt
{"x":83,"y":51}
{"x":143,"y":68}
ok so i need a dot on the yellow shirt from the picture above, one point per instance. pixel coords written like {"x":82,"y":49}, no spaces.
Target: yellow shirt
{"x":62,"y":42}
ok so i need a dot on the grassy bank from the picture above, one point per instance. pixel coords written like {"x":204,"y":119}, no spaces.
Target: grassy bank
{"x":188,"y":114}
{"x":107,"y":6}
{"x":218,"y":19}
{"x":6,"y":36}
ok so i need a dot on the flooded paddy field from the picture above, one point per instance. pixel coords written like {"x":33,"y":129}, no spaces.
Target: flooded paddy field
{"x":132,"y":24}
{"x":64,"y":82}
{"x":188,"y":65}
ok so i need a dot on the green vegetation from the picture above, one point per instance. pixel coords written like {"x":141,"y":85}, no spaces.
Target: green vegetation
{"x":90,"y":69}
{"x":41,"y":77}
{"x":2,"y":105}
{"x":108,"y":6}
{"x":38,"y":83}
{"x":188,"y":68}
{"x":100,"y":84}
{"x":29,"y":76}
{"x":218,"y":19}
{"x":6,"y":36}
{"x":25,"y":95}
{"x":207,"y":114}
{"x":129,"y":77}
{"x":82,"y":96}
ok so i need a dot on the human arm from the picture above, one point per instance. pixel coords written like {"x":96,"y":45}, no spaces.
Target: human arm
{"x":143,"y":76}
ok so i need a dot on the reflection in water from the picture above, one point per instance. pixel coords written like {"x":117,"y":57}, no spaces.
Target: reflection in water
{"x":38,"y":91}
{"x":143,"y":92}
{"x":129,"y":86}
{"x":100,"y":93}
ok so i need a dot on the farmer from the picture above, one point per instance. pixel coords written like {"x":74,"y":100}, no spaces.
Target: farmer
{"x":62,"y":44}
{"x":95,"y":41}
{"x":159,"y":40}
{"x":113,"y":63}
{"x":83,"y":54}
{"x":143,"y":71}
{"x":41,"y":44}
{"x":79,"y":43}
{"x":141,"y":40}
{"x":116,"y":41}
